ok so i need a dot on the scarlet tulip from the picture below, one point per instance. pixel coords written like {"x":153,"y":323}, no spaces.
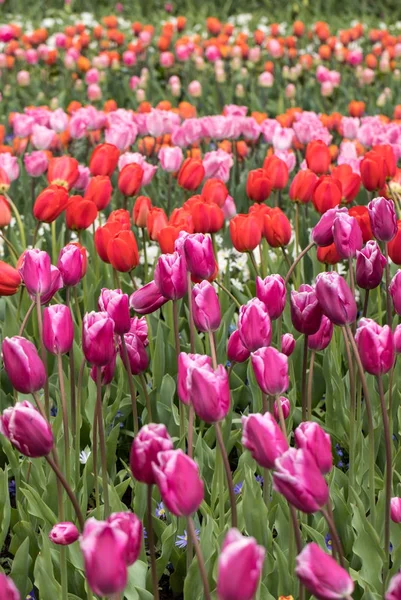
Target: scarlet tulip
{"x":387,"y":153}
{"x":63,"y":171}
{"x":303,"y":186}
{"x":50,"y":203}
{"x":258,"y":185}
{"x":120,"y":216}
{"x":276,"y":228}
{"x":130,"y":179}
{"x":122,"y":251}
{"x":327,"y":194}
{"x":10,"y":279}
{"x":81,"y":213}
{"x":373,"y":171}
{"x":394,"y":246}
{"x":318,"y":157}
{"x":361,"y":214}
{"x":102,"y":237}
{"x":99,"y":191}
{"x":350,"y":182}
{"x":5,"y":212}
{"x":276,"y":171}
{"x":245,"y":232}
{"x":140,"y":212}
{"x":206,"y":218}
{"x":156,"y":220}
{"x":214,"y":190}
{"x":104,"y":160}
{"x":191,"y":174}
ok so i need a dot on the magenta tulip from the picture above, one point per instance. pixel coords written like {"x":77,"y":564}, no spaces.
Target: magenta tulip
{"x":335,"y":298}
{"x":147,"y":299}
{"x":131,"y":525}
{"x":370,"y":264}
{"x":27,"y":430}
{"x":287,"y":344}
{"x":264,"y":439}
{"x":394,"y":589}
{"x":35,"y":271}
{"x":347,"y":235}
{"x":321,"y":575}
{"x":285,"y":407}
{"x":71,"y":264}
{"x":254,"y":325}
{"x":198,"y":250}
{"x":23,"y":366}
{"x":116,"y":305}
{"x":306,"y":312}
{"x":210,"y":393}
{"x":383,"y":219}
{"x":64,"y":534}
{"x":322,"y":233}
{"x":206,"y":307}
{"x":236,"y":351}
{"x":395,"y":291}
{"x":56,"y":283}
{"x":395,"y":510}
{"x":58,"y":329}
{"x":271,"y":370}
{"x":151,"y":440}
{"x":397,"y":339}
{"x":272,"y":292}
{"x":171,"y":276}
{"x":322,"y":338}
{"x":8,"y":590}
{"x":310,"y":436}
{"x":106,"y":372}
{"x":376,"y":346}
{"x":186,"y":363}
{"x":137,"y":355}
{"x":98,"y":338}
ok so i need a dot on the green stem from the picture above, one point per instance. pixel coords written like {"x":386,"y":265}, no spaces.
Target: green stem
{"x":296,"y":261}
{"x":102,"y":442}
{"x":147,"y":399}
{"x":305,"y":416}
{"x":43,"y":354}
{"x":220,"y":442}
{"x":366,"y":304}
{"x":54,"y":241}
{"x":145,"y":256}
{"x":229,"y":294}
{"x":388,"y":297}
{"x":69,"y":491}
{"x":132,"y":389}
{"x":253,"y":261}
{"x":64,"y":410}
{"x":310,"y":384}
{"x":334,"y":536}
{"x":151,"y":540}
{"x":26,"y":318}
{"x":191,"y":315}
{"x":389,"y":476}
{"x":18,"y":219}
{"x":201,"y":563}
{"x":72,"y":372}
{"x":77,"y":425}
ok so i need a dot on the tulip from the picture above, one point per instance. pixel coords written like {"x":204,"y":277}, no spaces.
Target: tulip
{"x":272,"y":292}
{"x":179,"y":483}
{"x":23,"y":365}
{"x":206,"y":307}
{"x":171,"y":276}
{"x":140,"y":212}
{"x":151,"y":440}
{"x":394,"y":589}
{"x":322,"y":233}
{"x":383,"y":219}
{"x":131,"y":525}
{"x":322,"y":338}
{"x":287,"y":344}
{"x":122,"y":251}
{"x":245,"y":232}
{"x":395,"y":291}
{"x":397,"y":339}
{"x":191,"y":174}
{"x":328,"y":255}
{"x":254,"y":325}
{"x":373,"y":171}
{"x":130,"y":179}
{"x":8,"y":590}
{"x":64,"y":534}
{"x":306,"y":312}
{"x":63,"y":171}
{"x":347,"y":235}
{"x":236,"y":351}
{"x":310,"y":436}
{"x":27,"y":430}
{"x":5,"y":212}
{"x":240,"y":567}
{"x":209,"y":392}
{"x":80,"y":213}
{"x":35,"y":271}
{"x":206,"y":218}
{"x":98,"y":338}
{"x":50,"y":203}
{"x":276,"y":171}
{"x":170,"y":158}
{"x":335,"y":298}
{"x":390,"y":162}
{"x":350,"y":182}
{"x":99,"y":191}
{"x":116,"y":304}
{"x":72,"y":264}
{"x":395,"y":510}
{"x":370,"y":264}
{"x":214,"y":190}
{"x":186,"y":364}
{"x":376,"y":346}
{"x":147,"y":299}
{"x":327,"y":194}
{"x":58,"y":329}
{"x":258,"y":185}
{"x":285,"y":407}
{"x":106,"y":372}
{"x":276,"y":228}
{"x":137,"y":355}
{"x":303,"y":186}
{"x":10,"y":279}
{"x":56,"y":283}
{"x":104,"y":160}
{"x":262,"y":436}
{"x":271,"y":370}
{"x":394,"y":247}
{"x":156,"y":220}
{"x":321,"y":575}
{"x":298,"y":478}
{"x":199,"y":255}
{"x":361,"y":214}
{"x":318,"y":157}
{"x":102,"y":237}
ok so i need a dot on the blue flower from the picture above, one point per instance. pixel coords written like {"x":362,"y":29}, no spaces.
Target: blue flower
{"x":238,"y":487}
{"x":259,"y":479}
{"x":391,"y":548}
{"x":31,"y":595}
{"x":182,"y":540}
{"x":160,"y":511}
{"x":328,"y":541}
{"x":53,"y":411}
{"x":11,"y":487}
{"x":145,"y":534}
{"x":232,"y":328}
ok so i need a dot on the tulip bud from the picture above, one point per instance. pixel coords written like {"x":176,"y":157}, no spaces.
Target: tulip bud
{"x":254,"y":325}
{"x":306,"y":312}
{"x":373,"y":171}
{"x":277,"y":171}
{"x":141,"y":209}
{"x":322,"y":233}
{"x":285,"y":407}
{"x":23,"y":365}
{"x":64,"y":534}
{"x":122,"y":251}
{"x":310,"y":436}
{"x":150,"y":440}
{"x":262,"y":436}
{"x":394,"y":589}
{"x":131,"y":525}
{"x":321,"y":575}
{"x":395,"y":291}
{"x":258,"y":185}
{"x":56,"y":283}
{"x":170,"y":158}
{"x":327,"y":193}
{"x":130,"y":179}
{"x":58,"y":329}
{"x":10,"y":279}
{"x":298,"y":478}
{"x":147,"y":299}
{"x":104,"y":160}
{"x":318,"y":157}
{"x":370,"y":264}
{"x":8,"y":589}
{"x":271,"y":370}
{"x":236,"y":351}
{"x":106,"y":372}
{"x":27,"y":430}
{"x":177,"y":477}
{"x":375,"y":346}
{"x":335,"y":298}
{"x":395,"y":510}
{"x":272,"y":292}
{"x":98,"y":338}
{"x":199,"y":255}
{"x":322,"y":338}
{"x":239,"y":567}
{"x":347,"y":235}
{"x":206,"y":307}
{"x":397,"y":339}
{"x":99,"y":191}
{"x":186,"y":363}
{"x":276,"y":228}
{"x":287,"y":344}
{"x":214,"y":190}
{"x":171,"y":276}
{"x":191,"y":174}
{"x":116,"y":305}
{"x":303,"y":186}
{"x":72,"y":264}
{"x":209,"y":392}
{"x":35,"y":271}
{"x":383,"y":219}
{"x":137,"y":355}
{"x":361,"y":214}
{"x":245,"y":232}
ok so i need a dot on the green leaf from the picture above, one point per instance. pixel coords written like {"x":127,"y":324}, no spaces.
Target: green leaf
{"x":37,"y":507}
{"x":20,"y":569}
{"x":45,"y":581}
{"x":5,"y":509}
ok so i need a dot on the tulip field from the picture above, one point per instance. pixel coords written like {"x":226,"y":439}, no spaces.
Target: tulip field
{"x":200,"y":303}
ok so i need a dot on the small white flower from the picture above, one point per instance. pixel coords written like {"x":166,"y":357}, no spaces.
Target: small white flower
{"x":84,"y":455}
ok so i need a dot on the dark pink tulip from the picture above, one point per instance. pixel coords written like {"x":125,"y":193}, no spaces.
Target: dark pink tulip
{"x":116,"y":304}
{"x":298,"y":478}
{"x":285,"y":406}
{"x":27,"y":430}
{"x":131,"y":525}
{"x":236,"y":351}
{"x":321,"y":339}
{"x":335,"y":298}
{"x":186,"y":363}
{"x":137,"y":355}
{"x":106,"y":372}
{"x":287,"y":344}
{"x":23,"y":366}
{"x":98,"y":338}
{"x":397,"y":339}
{"x":56,"y":283}
{"x":394,"y":589}
{"x":321,"y":575}
{"x":271,"y":370}
{"x":376,"y":346}
{"x":147,"y":299}
{"x":395,"y":291}
{"x":264,"y":439}
{"x":198,"y":250}
{"x":370,"y":264}
{"x":239,"y":567}
{"x":306,"y":312}
{"x":210,"y":393}
{"x":177,"y":477}
{"x":139,"y":326}
{"x":171,"y":276}
{"x":58,"y":329}
{"x":8,"y":590}
{"x":272,"y":292}
{"x":254,"y":325}
{"x":322,"y":233}
{"x":35,"y":271}
{"x":383,"y":218}
{"x":206,"y":307}
{"x":347,"y":235}
{"x":310,"y":436}
{"x":151,"y":440}
{"x":395,"y":510}
{"x":71,"y":264}
{"x":64,"y":534}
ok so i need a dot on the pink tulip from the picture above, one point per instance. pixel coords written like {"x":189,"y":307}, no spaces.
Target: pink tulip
{"x":137,"y":355}
{"x":171,"y":276}
{"x":298,"y":478}
{"x":218,"y":164}
{"x":321,"y":575}
{"x":210,"y":392}
{"x":36,"y":271}
{"x":285,"y":407}
{"x":64,"y":534}
{"x":9,"y":164}
{"x":186,"y":364}
{"x":98,"y":338}
{"x":27,"y":430}
{"x":322,"y":338}
{"x":254,"y":325}
{"x":42,"y":137}
{"x":106,"y":372}
{"x":36,"y":163}
{"x":206,"y":307}
{"x":171,"y":158}
{"x":272,"y":292}
{"x":335,"y":298}
{"x":151,"y":440}
{"x":394,"y":589}
{"x":239,"y":567}
{"x":383,"y":218}
{"x":395,"y":510}
{"x":347,"y":235}
{"x":264,"y":439}
{"x":310,"y":436}
{"x":271,"y":370}
{"x":370,"y":264}
{"x":395,"y":291}
{"x":23,"y":125}
{"x":71,"y":264}
{"x":83,"y":178}
{"x":22,"y":364}
{"x":56,"y":283}
{"x":179,"y":483}
{"x":376,"y":346}
{"x":58,"y":329}
{"x":8,"y":590}
{"x":397,"y":339}
{"x":59,"y":120}
{"x":199,"y":255}
{"x":236,"y":351}
{"x":139,"y":326}
{"x":322,"y":233}
{"x":131,"y":525}
{"x":147,"y":299}
{"x":116,"y":304}
{"x":306,"y":312}
{"x":287,"y":344}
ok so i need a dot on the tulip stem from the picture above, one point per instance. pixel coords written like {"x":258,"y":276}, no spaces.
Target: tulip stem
{"x":352,"y":412}
{"x":229,"y":294}
{"x":220,"y":441}
{"x":102,"y":442}
{"x":65,"y":417}
{"x":296,"y":261}
{"x":169,"y":188}
{"x":213,"y":350}
{"x":54,"y":241}
{"x":334,"y":536}
{"x":147,"y":399}
{"x":151,"y":541}
{"x":305,"y":415}
{"x":131,"y":385}
{"x":191,"y":420}
{"x":26,"y":318}
{"x":286,"y":257}
{"x":72,"y":370}
{"x":18,"y":219}
{"x":253,"y":261}
{"x":191,"y":314}
{"x":389,"y":473}
{"x":365,"y":304}
{"x":145,"y":256}
{"x":310,"y":383}
{"x":9,"y":246}
{"x":68,"y":489}
{"x":199,"y":556}
{"x":77,"y":425}
{"x":265,"y":405}
{"x":388,"y":297}
{"x":43,"y":354}
{"x":63,"y":550}
{"x":296,"y":228}
{"x":177,"y":354}
{"x":35,"y":234}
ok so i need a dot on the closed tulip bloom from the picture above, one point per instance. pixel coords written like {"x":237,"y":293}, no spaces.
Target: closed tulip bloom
{"x":104,"y":160}
{"x":394,"y":589}
{"x":373,"y":171}
{"x":140,"y":212}
{"x":245,"y":232}
{"x":271,"y":370}
{"x":310,"y":436}
{"x":36,"y":163}
{"x":64,"y":534}
{"x":186,"y":363}
{"x":98,"y":338}
{"x":27,"y":430}
{"x":327,"y":194}
{"x":328,"y":255}
{"x":383,"y":219}
{"x":397,"y":339}
{"x":277,"y":172}
{"x":137,"y":355}
{"x":306,"y":312}
{"x":102,"y":237}
{"x":394,"y":247}
{"x":272,"y":292}
{"x":171,"y":276}
{"x":72,"y":264}
{"x":395,"y":510}
{"x":262,"y":436}
{"x":8,"y":589}
{"x":321,"y":575}
{"x":254,"y":325}
{"x":376,"y":346}
{"x":206,"y":307}
{"x":36,"y":272}
{"x":116,"y":304}
{"x":322,"y":338}
{"x":122,"y":251}
{"x":150,"y":440}
{"x":347,"y":235}
{"x":287,"y":344}
{"x":210,"y":393}
{"x":199,"y":255}
{"x":276,"y":228}
{"x":179,"y":483}
{"x":322,"y":233}
{"x":236,"y":351}
{"x":106,"y":372}
{"x":99,"y":191}
{"x":23,"y":366}
{"x":239,"y":567}
{"x":206,"y":218}
{"x":131,"y":525}
{"x":56,"y":283}
{"x":298,"y":478}
{"x":214,"y":190}
{"x":191,"y":174}
{"x":395,"y":291}
{"x":170,"y":158}
{"x":130,"y":179}
{"x":80,"y":213}
{"x":10,"y":279}
{"x":361,"y":214}
{"x":285,"y":407}
{"x":335,"y":298}
{"x":318,"y":157}
{"x":258,"y":185}
{"x":5,"y":212}
{"x":350,"y":182}
{"x":390,"y":161}
{"x":370,"y":264}
{"x":50,"y":203}
{"x":58,"y":329}
{"x":147,"y":299}
{"x":303,"y":186}
{"x":63,"y":171}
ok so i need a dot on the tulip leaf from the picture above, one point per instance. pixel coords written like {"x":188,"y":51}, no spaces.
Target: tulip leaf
{"x":45,"y":581}
{"x":5,"y":509}
{"x":37,"y":507}
{"x":20,"y":569}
